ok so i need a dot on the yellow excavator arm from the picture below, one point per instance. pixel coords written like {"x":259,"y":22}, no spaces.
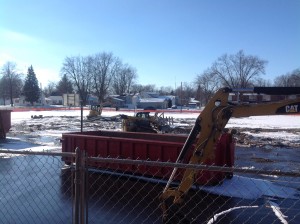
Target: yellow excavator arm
{"x":210,"y":125}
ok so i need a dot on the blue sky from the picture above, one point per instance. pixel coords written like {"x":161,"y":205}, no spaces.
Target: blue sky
{"x":168,"y":42}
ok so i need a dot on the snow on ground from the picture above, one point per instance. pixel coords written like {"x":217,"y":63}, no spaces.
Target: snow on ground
{"x":252,"y":188}
{"x":271,"y":122}
{"x":281,"y":131}
{"x":267,"y":122}
{"x":259,"y":131}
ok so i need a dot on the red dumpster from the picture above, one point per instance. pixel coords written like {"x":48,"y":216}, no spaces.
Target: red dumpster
{"x":145,"y":146}
{"x":5,"y":122}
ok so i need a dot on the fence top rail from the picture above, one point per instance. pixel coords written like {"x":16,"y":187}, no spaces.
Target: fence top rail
{"x":43,"y":153}
{"x":192,"y":166}
{"x":156,"y":163}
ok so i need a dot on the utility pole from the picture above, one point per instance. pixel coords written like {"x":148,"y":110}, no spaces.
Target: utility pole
{"x":181,"y":97}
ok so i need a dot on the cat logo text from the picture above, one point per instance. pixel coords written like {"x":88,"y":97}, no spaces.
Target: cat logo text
{"x":291,"y":108}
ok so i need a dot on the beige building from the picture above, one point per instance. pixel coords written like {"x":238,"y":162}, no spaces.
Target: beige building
{"x":71,"y":99}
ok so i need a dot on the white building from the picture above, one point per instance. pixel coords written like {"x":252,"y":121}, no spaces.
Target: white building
{"x":42,"y":101}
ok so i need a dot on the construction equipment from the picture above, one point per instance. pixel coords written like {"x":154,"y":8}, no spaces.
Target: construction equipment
{"x":95,"y":111}
{"x":206,"y":133}
{"x":143,"y":122}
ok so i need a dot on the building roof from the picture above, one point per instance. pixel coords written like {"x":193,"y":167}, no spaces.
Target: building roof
{"x":192,"y":100}
{"x":152,"y":100}
{"x":117,"y":99}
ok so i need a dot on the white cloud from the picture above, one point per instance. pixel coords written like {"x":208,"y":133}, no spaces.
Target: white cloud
{"x":9,"y":35}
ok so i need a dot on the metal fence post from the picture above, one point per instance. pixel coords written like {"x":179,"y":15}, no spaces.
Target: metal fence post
{"x":77,"y":187}
{"x":82,"y":187}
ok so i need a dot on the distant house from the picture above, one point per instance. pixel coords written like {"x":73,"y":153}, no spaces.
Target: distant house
{"x":56,"y":100}
{"x":172,"y":100}
{"x":116,"y":101}
{"x":149,"y":95}
{"x":153,"y":100}
{"x":157,"y":103}
{"x":129,"y":100}
{"x":92,"y":100}
{"x":140,"y":100}
{"x":193,"y":104}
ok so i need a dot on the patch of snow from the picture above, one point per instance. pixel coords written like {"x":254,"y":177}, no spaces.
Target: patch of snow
{"x":251,"y":188}
{"x":16,"y":144}
{"x":266,"y":122}
{"x":276,"y":209}
{"x":216,"y":216}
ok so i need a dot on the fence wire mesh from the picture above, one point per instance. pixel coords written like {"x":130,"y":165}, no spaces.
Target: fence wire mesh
{"x":41,"y":189}
{"x":32,"y":189}
{"x":128,"y":192}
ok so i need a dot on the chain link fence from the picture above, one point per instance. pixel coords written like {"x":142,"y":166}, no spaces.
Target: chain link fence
{"x":32,"y":189}
{"x":37,"y":187}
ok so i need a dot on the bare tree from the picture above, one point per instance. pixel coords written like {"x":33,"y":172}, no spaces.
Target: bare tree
{"x":50,"y":89}
{"x":166,"y":90}
{"x":78,"y":70}
{"x":137,"y":88}
{"x":239,"y":70}
{"x":185,"y":91}
{"x":291,"y":79}
{"x":262,"y":82}
{"x":124,"y":79}
{"x":207,"y":84}
{"x":295,"y":77}
{"x":11,"y":83}
{"x":104,"y":67}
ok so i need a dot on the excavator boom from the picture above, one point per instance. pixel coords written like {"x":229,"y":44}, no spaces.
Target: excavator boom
{"x":210,"y":125}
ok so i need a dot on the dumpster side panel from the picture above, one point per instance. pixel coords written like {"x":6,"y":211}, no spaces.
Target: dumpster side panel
{"x":5,"y":122}
{"x":140,"y":153}
{"x":127,"y":153}
{"x":224,"y":154}
{"x":170,"y":154}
